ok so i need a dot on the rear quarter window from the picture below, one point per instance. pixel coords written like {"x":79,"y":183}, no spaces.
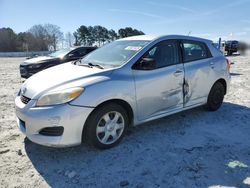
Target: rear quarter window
{"x":218,"y":48}
{"x":193,"y":51}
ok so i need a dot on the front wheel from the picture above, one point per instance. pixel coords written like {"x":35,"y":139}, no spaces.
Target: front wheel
{"x":215,"y":97}
{"x":106,"y":126}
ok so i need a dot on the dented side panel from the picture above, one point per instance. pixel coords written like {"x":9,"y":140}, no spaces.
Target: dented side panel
{"x":158,"y":91}
{"x":198,"y":78}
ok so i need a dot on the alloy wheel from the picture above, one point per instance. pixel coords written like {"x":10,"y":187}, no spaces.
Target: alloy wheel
{"x":110,"y":127}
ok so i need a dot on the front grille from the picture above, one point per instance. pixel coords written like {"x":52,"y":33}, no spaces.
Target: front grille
{"x":52,"y":131}
{"x":23,"y":70}
{"x":25,"y":100}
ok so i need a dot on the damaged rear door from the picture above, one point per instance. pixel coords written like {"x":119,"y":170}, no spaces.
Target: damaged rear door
{"x":198,"y":65}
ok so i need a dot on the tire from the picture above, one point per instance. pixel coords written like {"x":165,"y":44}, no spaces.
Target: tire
{"x":106,"y":126}
{"x":215,"y":97}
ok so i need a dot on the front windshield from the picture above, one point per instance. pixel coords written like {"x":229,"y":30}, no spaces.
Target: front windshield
{"x":60,"y":53}
{"x":114,"y":54}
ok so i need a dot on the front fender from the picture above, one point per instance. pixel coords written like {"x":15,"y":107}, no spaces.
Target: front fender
{"x":122,"y":88}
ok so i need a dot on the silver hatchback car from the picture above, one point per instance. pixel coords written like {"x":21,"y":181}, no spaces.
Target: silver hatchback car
{"x":127,"y":82}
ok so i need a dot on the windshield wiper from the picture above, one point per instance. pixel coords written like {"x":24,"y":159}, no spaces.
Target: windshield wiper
{"x":77,"y":61}
{"x":96,"y":65}
{"x":85,"y":65}
{"x":90,"y":65}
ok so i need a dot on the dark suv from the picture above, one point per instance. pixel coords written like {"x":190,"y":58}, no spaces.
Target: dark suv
{"x":231,"y":46}
{"x":34,"y":65}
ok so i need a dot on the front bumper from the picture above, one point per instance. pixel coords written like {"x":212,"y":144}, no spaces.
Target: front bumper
{"x":31,"y":120}
{"x":24,"y":72}
{"x":27,"y":72}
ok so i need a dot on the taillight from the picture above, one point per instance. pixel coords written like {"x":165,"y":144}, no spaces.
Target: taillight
{"x":228,"y":64}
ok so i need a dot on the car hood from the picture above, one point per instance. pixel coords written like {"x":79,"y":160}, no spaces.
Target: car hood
{"x":62,"y":76}
{"x":39,"y":60}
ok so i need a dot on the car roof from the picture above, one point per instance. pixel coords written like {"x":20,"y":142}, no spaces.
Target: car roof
{"x":155,"y":37}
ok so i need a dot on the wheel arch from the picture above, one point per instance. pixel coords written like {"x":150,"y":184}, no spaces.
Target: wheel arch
{"x":120,"y":102}
{"x":223,"y":82}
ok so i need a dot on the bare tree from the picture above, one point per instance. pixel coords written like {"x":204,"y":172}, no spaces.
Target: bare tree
{"x":69,"y":38}
{"x":46,"y":35}
{"x":40,"y":38}
{"x":53,"y":34}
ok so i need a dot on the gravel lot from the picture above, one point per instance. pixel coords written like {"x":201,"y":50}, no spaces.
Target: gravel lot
{"x":194,"y":148}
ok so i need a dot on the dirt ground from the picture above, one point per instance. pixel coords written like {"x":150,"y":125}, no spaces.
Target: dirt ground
{"x":194,"y":148}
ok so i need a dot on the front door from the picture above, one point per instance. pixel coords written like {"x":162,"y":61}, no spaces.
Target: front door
{"x":160,"y":88}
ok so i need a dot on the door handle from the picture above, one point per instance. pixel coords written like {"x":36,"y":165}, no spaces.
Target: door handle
{"x":178,"y":72}
{"x":212,"y":64}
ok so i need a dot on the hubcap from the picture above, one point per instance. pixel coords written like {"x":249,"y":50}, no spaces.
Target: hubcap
{"x":110,"y":127}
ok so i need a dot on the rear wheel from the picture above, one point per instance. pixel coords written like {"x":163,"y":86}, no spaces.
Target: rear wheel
{"x":215,"y":97}
{"x":106,"y":126}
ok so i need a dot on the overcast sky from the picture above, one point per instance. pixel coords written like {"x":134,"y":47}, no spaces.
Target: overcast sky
{"x":229,"y":19}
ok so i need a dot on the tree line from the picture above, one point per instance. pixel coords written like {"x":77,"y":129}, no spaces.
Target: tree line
{"x":37,"y":38}
{"x":99,"y":35}
{"x":48,"y":36}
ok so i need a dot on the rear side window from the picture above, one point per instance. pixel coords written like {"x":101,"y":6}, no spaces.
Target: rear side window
{"x":193,"y":51}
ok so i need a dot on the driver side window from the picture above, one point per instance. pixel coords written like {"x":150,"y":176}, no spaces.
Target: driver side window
{"x":163,"y":54}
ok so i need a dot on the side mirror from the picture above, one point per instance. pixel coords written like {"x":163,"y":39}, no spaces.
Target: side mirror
{"x":71,"y":56}
{"x":146,"y":64}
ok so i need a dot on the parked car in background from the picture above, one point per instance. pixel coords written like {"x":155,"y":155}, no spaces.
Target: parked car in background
{"x":243,"y":47}
{"x":36,"y":64}
{"x":32,"y":56}
{"x":232,"y":46}
{"x":124,"y":83}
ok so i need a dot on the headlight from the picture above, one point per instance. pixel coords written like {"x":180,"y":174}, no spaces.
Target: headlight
{"x":59,"y":97}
